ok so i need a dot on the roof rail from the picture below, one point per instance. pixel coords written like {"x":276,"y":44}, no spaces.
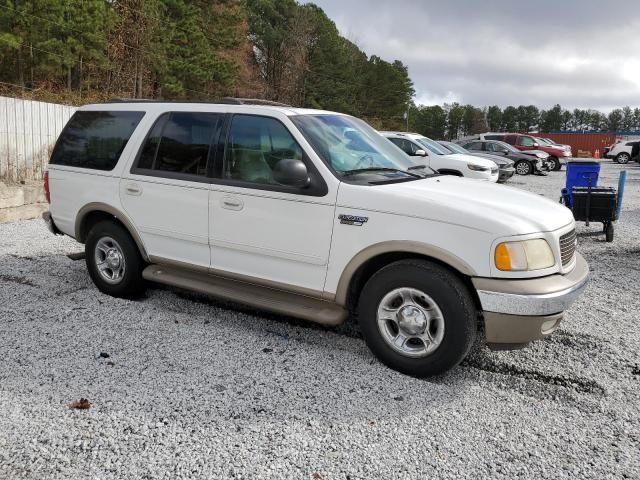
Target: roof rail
{"x":224,"y":100}
{"x":251,"y":101}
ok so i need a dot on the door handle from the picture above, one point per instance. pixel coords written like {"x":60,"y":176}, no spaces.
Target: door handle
{"x":232,"y":203}
{"x":133,"y":189}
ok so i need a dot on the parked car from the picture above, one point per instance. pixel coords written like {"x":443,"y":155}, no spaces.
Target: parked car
{"x":557,"y":155}
{"x":623,"y":151}
{"x":442,"y":160}
{"x":524,"y":163}
{"x":311,"y":214}
{"x":505,"y":166}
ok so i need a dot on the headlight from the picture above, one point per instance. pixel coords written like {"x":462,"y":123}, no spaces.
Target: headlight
{"x":478,"y":168}
{"x":541,"y":155}
{"x":533,"y":254}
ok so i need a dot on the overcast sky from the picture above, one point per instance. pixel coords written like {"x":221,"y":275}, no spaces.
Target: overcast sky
{"x":577,"y":53}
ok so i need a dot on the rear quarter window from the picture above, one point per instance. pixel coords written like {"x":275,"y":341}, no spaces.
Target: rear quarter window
{"x":95,"y":139}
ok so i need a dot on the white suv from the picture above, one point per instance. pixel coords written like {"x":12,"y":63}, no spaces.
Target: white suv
{"x":623,"y":151}
{"x":312,"y":214}
{"x":442,"y":160}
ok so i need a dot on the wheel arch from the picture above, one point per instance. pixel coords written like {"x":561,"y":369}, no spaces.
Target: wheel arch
{"x":368,"y":261}
{"x":92,"y":213}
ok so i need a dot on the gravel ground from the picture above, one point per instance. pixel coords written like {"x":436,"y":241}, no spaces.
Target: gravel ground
{"x":182,"y":386}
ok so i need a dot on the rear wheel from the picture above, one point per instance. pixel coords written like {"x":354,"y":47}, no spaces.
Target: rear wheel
{"x":523,"y":167}
{"x":113,"y":260}
{"x":417,"y":317}
{"x":623,"y":158}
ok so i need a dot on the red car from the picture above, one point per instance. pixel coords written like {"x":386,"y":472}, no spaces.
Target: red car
{"x":527,"y":142}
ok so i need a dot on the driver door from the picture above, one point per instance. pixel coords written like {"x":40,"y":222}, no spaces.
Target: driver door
{"x":260,"y":229}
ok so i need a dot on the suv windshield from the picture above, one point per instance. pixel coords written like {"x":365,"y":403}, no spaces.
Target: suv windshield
{"x":455,"y":148}
{"x":433,"y":147}
{"x":354,"y":149}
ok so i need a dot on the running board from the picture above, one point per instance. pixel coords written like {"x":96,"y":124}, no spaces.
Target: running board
{"x":296,"y":305}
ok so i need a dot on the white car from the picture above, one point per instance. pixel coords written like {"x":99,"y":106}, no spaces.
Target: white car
{"x":442,"y":160}
{"x":311,"y":214}
{"x":622,"y":151}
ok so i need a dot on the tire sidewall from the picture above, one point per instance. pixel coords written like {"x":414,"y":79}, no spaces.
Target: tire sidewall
{"x":453,"y":300}
{"x":621,"y":156}
{"x":131,"y":284}
{"x":529,"y":167}
{"x":556,"y":165}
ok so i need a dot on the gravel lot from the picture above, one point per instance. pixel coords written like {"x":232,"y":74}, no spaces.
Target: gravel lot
{"x":182,"y":386}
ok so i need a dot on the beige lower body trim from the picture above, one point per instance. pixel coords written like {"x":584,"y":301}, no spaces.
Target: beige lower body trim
{"x":279,"y":301}
{"x":517,"y":329}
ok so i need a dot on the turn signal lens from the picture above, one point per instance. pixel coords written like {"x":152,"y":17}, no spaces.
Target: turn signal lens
{"x":503,"y":260}
{"x":525,"y":255}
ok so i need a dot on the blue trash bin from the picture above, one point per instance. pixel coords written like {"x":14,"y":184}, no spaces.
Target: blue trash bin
{"x":581,"y":173}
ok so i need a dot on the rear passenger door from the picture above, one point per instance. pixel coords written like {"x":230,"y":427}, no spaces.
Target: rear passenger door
{"x":261,"y":230}
{"x":166,"y":191}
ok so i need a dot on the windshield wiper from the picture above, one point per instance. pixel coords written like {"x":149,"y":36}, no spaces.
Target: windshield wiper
{"x":417,"y":167}
{"x":379,"y":169}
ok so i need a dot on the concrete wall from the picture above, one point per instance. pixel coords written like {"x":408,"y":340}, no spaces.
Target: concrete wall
{"x":28,"y":131}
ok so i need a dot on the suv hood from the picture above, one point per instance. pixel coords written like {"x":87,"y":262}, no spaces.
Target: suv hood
{"x":496,"y":209}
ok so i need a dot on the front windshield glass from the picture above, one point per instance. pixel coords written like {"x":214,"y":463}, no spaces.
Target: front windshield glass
{"x":543,"y":141}
{"x":455,"y":148}
{"x":351,"y":147}
{"x":433,"y":147}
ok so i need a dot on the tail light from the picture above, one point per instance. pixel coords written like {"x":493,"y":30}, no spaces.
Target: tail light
{"x":47,"y":193}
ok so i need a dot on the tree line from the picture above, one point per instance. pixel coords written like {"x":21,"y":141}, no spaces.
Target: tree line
{"x":455,"y":120}
{"x":81,"y":51}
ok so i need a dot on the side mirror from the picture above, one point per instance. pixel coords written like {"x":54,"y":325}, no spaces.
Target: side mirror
{"x":535,"y":144}
{"x":291,"y":172}
{"x":505,"y":151}
{"x":420,"y":153}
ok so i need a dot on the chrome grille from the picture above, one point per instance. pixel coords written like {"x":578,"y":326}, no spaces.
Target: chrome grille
{"x":567,"y":247}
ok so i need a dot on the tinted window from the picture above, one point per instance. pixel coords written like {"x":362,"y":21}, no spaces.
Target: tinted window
{"x":255,"y":145}
{"x":510,"y":139}
{"x":526,"y":141}
{"x":179,"y":142}
{"x":95,"y":139}
{"x":406,"y":146}
{"x":473,"y":146}
{"x":493,"y":137}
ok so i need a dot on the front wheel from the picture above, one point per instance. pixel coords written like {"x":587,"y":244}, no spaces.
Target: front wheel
{"x":623,"y":158}
{"x":554,"y":164}
{"x":523,"y":167}
{"x":113,"y":260}
{"x":417,"y":317}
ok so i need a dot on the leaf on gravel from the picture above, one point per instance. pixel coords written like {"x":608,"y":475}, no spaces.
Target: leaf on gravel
{"x":82,"y":404}
{"x":316,"y":476}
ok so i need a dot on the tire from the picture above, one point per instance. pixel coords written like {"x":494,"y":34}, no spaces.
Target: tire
{"x":623,"y":158}
{"x":523,"y":167}
{"x":554,"y":164}
{"x":428,"y":299}
{"x":111,"y":243}
{"x":608,"y":233}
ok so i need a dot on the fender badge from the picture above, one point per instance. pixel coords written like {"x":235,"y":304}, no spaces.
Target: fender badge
{"x":352,"y":220}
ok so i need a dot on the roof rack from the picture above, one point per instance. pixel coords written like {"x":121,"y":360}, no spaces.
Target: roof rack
{"x":251,"y":101}
{"x":223,"y":100}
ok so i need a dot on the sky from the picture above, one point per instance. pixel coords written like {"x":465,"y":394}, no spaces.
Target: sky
{"x":580,"y":54}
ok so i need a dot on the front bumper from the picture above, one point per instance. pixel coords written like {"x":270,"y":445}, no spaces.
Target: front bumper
{"x":506,"y":173}
{"x":520,"y":311}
